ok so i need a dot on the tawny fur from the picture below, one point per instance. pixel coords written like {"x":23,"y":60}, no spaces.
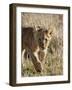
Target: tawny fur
{"x":35,"y":44}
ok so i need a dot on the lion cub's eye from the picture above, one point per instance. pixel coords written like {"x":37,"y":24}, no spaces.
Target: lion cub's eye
{"x":45,"y":40}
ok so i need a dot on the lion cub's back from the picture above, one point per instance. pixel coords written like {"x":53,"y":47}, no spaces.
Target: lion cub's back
{"x":28,"y":39}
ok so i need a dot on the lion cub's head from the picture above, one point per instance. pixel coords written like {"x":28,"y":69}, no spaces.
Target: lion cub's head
{"x":44,"y":37}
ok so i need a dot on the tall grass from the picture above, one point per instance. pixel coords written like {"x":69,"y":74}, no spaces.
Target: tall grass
{"x":54,"y":59}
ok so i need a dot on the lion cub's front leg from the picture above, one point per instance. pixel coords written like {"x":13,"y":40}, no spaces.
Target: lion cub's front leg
{"x":37,"y":64}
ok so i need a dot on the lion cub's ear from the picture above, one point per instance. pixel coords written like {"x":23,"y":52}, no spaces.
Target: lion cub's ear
{"x":51,"y":31}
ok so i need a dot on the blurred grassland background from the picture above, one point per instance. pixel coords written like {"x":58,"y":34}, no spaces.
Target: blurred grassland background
{"x":54,"y":60}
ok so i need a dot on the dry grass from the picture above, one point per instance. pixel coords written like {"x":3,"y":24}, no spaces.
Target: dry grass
{"x":54,"y":60}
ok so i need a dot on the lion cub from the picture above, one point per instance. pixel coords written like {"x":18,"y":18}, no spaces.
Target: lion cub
{"x":35,"y":44}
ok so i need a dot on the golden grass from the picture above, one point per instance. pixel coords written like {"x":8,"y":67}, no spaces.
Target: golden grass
{"x":54,"y":60}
